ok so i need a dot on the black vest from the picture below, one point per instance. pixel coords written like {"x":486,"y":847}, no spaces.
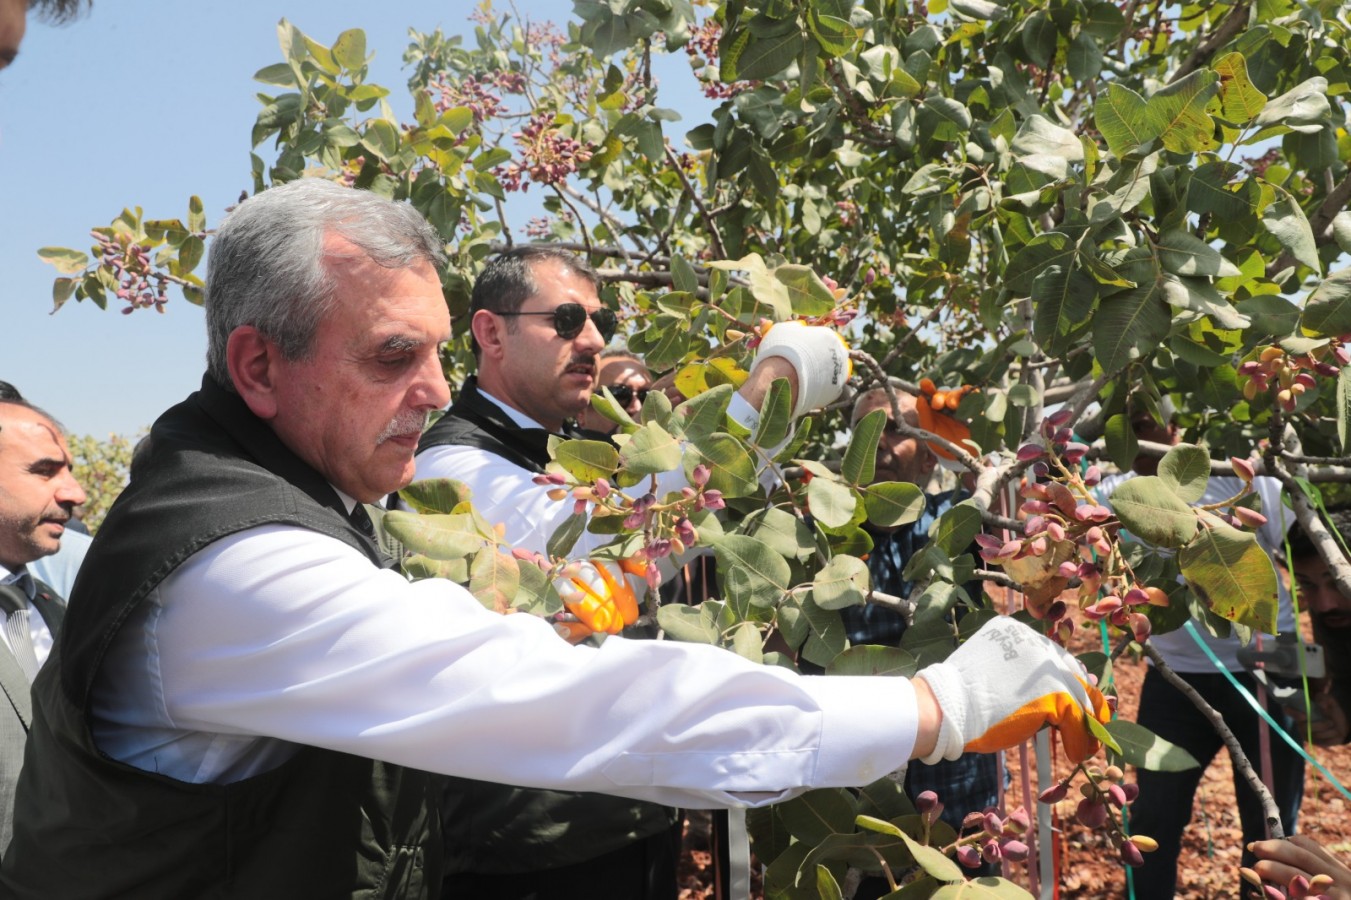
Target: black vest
{"x":493,"y":828}
{"x":324,"y":824}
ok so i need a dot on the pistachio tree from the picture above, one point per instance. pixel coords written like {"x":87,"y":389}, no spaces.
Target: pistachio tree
{"x":1078,"y":207}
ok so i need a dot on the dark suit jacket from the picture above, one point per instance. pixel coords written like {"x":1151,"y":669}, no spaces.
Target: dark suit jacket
{"x":17,"y":713}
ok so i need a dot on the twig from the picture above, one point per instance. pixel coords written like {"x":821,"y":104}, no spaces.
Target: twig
{"x":1201,"y":54}
{"x":709,"y":222}
{"x":1237,"y":757}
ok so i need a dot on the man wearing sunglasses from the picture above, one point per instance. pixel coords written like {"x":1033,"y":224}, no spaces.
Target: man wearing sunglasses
{"x":539,"y":332}
{"x":628,"y":380}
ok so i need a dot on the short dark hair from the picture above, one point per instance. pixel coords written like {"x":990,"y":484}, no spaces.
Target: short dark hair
{"x":9,"y":393}
{"x":58,"y":10}
{"x":1338,"y":520}
{"x":506,"y":281}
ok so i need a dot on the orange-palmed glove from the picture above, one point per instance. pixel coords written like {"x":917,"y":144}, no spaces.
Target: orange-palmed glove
{"x":933,"y":407}
{"x":599,"y":595}
{"x":1004,"y":685}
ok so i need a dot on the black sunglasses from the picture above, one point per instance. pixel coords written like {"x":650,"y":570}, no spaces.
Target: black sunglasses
{"x":624,"y":394}
{"x":570,"y":319}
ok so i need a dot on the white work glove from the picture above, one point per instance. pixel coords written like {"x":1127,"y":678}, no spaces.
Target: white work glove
{"x":1003,"y":685}
{"x":818,"y":354}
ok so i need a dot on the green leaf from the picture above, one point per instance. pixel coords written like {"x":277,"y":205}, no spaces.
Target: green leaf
{"x":436,"y":495}
{"x":588,"y":460}
{"x":807,"y":293}
{"x":776,"y":415}
{"x":66,"y":260}
{"x":1099,"y":731}
{"x":1288,"y":224}
{"x":732,"y":469}
{"x":651,"y":449}
{"x":1122,"y":445}
{"x":565,"y":536}
{"x":1185,"y":469}
{"x":842,"y":582}
{"x":381,"y":139}
{"x":350,"y":49}
{"x":785,"y":533}
{"x":1121,"y":117}
{"x":1182,"y":253}
{"x":1039,"y":136}
{"x":944,"y":119}
{"x":683,"y":275}
{"x":495,"y":579}
{"x":1177,"y":112}
{"x":892,"y":503}
{"x":818,"y":814}
{"x":832,"y":504}
{"x":1231,"y":575}
{"x":1303,"y":106}
{"x":1142,"y":748}
{"x":1240,"y":100}
{"x":1327,"y":312}
{"x":1151,"y":510}
{"x":933,"y":861}
{"x":196,"y":216}
{"x":763,"y":58}
{"x":827,"y":888}
{"x":537,"y":594}
{"x":747,"y":643}
{"x":1129,"y":325}
{"x":705,"y":413}
{"x":1039,"y":38}
{"x":438,"y":536}
{"x":957,"y":528}
{"x":1040,"y":253}
{"x":690,"y":624}
{"x":1063,"y":300}
{"x":871,"y":660}
{"x":767,"y":573}
{"x":278,"y":73}
{"x":860,"y":457}
{"x":418,"y":567}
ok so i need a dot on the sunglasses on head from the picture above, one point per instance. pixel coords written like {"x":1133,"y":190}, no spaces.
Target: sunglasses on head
{"x":570,"y":319}
{"x":624,"y":394}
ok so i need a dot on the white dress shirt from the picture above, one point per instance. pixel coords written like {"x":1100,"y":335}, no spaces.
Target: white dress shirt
{"x":42,"y":635}
{"x":278,"y":637}
{"x":506,"y":493}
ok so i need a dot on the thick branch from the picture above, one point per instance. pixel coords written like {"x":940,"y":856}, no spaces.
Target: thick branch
{"x":1237,"y":757}
{"x":1227,"y":31}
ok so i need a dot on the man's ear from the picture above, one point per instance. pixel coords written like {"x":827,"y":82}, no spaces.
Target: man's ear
{"x":252,"y":360}
{"x":489,"y":330}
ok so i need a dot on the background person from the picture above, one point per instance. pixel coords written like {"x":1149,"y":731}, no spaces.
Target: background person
{"x":1330,"y":613}
{"x":628,"y":379}
{"x":37,"y":494}
{"x":971,"y":782}
{"x":540,"y":331}
{"x":1164,"y":806}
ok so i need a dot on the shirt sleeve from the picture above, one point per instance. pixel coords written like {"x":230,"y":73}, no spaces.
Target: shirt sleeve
{"x":283,"y":633}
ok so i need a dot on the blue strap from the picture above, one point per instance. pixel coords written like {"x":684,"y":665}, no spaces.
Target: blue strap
{"x":1252,"y":701}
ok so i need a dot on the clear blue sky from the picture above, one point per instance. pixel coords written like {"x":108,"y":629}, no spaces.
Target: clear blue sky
{"x":146,"y":102}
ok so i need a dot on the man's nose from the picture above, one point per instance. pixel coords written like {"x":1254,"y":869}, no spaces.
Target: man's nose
{"x":69,"y":492}
{"x":589,"y":339}
{"x":430,"y":390}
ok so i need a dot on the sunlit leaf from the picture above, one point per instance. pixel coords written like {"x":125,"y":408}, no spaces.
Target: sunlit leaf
{"x":1231,"y":575}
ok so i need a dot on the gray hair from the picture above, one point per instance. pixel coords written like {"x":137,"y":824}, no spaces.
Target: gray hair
{"x":267,"y":266}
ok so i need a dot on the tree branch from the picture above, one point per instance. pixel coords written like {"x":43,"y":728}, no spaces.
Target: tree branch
{"x":1201,"y":54}
{"x":709,"y":222}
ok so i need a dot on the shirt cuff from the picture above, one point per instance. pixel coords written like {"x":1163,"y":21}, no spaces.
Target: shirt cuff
{"x":868,"y":727}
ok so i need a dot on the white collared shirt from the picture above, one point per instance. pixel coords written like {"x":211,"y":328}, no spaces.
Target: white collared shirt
{"x":37,"y":627}
{"x":278,"y":637}
{"x":506,"y":493}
